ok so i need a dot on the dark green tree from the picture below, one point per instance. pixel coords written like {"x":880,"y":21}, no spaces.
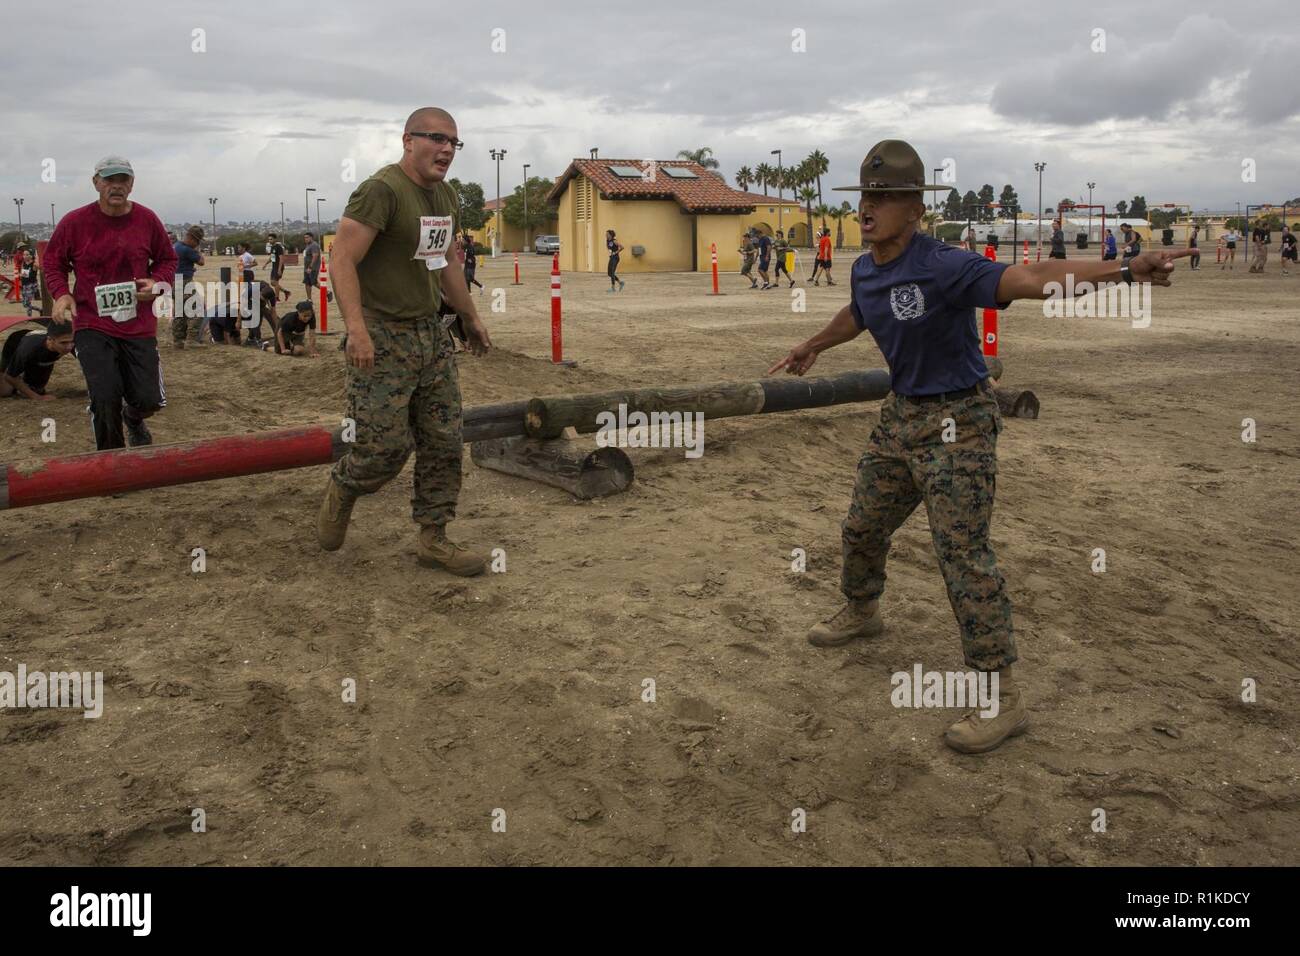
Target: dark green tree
{"x":1121,"y":208}
{"x":985,"y":197}
{"x":1138,"y":207}
{"x":539,"y":210}
{"x":952,"y":207}
{"x":472,"y":215}
{"x":1010,"y":201}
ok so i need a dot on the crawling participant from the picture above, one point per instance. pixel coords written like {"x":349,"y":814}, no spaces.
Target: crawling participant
{"x":294,"y":328}
{"x":28,"y":360}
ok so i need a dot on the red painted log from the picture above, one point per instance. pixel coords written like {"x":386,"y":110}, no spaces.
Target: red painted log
{"x":98,"y":473}
{"x":40,"y":482}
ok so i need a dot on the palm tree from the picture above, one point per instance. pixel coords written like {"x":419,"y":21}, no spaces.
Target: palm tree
{"x":703,"y":156}
{"x":839,"y":216}
{"x":821,"y":211}
{"x":808,"y":194}
{"x":817,"y":165}
{"x":744,"y":176}
{"x":763,"y":176}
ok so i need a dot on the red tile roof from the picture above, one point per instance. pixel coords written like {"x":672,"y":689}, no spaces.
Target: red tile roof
{"x":761,"y":200}
{"x":705,"y":194}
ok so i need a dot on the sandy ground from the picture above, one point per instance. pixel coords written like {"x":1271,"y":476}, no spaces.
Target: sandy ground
{"x":522,"y":691}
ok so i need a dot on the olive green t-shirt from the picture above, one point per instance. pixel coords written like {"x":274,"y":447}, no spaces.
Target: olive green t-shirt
{"x":412,"y":221}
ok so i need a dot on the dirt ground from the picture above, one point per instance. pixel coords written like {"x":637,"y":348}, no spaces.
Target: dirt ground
{"x":523,"y":691}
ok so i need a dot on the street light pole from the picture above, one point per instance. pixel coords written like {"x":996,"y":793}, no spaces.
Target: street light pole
{"x":282,"y":235}
{"x":526,"y":165}
{"x":51,"y":215}
{"x":306,"y":205}
{"x":318,"y":202}
{"x":1091,"y":187}
{"x":780,"y":189}
{"x":19,"y":204}
{"x":498,"y":155}
{"x":212,"y":201}
{"x":1038,"y":213}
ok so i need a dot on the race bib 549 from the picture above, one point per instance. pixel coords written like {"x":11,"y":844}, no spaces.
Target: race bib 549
{"x":435,"y":239}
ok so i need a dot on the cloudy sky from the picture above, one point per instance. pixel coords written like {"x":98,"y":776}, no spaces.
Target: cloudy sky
{"x":285,"y":94}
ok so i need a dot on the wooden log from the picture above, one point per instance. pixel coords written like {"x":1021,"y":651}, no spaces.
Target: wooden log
{"x":605,"y":471}
{"x":481,"y":422}
{"x":546,"y":417}
{"x":1017,"y":403}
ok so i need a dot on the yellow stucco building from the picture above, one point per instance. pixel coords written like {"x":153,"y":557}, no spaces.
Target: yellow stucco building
{"x":667,"y":214}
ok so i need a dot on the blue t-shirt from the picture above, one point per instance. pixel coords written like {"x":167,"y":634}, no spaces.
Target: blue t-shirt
{"x":187,"y":258}
{"x":764,"y":247}
{"x":920,"y":309}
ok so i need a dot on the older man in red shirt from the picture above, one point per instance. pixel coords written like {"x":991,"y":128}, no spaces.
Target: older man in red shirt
{"x":118,"y":251}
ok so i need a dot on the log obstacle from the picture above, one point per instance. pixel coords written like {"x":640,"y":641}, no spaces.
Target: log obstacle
{"x":531,"y":430}
{"x":98,"y":473}
{"x":547,"y":417}
{"x":558,"y":462}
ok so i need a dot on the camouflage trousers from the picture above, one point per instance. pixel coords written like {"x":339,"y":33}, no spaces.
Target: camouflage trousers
{"x":907,"y":462}
{"x":409,"y":400}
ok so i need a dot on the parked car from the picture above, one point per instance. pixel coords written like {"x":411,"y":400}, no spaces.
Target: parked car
{"x":546,"y":245}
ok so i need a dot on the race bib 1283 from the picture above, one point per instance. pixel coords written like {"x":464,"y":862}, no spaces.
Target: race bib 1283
{"x":116,"y":301}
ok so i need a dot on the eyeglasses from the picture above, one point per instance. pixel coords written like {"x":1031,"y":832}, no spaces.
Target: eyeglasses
{"x":440,"y":139}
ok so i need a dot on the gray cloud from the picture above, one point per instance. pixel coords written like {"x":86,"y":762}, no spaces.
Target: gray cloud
{"x":283,"y":97}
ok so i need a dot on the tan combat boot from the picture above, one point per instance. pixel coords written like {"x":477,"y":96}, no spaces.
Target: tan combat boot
{"x":434,"y":550}
{"x":852,"y":620}
{"x":974,"y":734}
{"x":335,"y":513}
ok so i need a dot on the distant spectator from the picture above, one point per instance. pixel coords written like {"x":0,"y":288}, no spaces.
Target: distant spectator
{"x":1110,"y":251}
{"x":1230,"y":248}
{"x":1261,"y":238}
{"x":275,"y":261}
{"x":1288,"y":248}
{"x":471,"y":262}
{"x":1058,"y":241}
{"x":310,"y":263}
{"x":29,"y":278}
{"x":188,"y":258}
{"x":1132,"y":241}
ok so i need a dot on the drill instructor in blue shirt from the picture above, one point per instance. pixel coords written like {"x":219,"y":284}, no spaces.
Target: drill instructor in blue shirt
{"x":936,"y":441}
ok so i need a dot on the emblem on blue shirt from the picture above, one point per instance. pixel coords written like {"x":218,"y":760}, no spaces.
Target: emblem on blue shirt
{"x":907,"y":301}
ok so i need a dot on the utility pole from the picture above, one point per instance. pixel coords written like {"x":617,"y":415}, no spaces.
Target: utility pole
{"x":498,"y":155}
{"x":780,"y":189}
{"x":526,"y":165}
{"x":1038,"y":213}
